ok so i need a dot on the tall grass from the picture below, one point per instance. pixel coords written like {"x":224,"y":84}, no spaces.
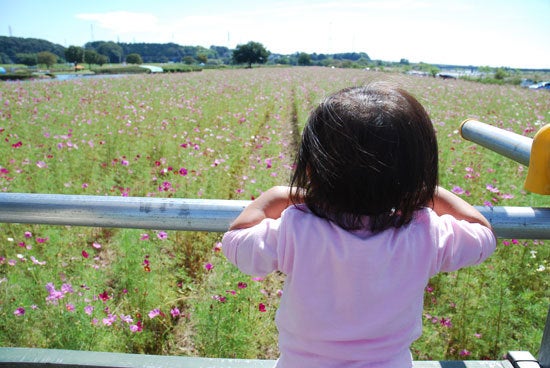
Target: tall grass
{"x":230,"y":134}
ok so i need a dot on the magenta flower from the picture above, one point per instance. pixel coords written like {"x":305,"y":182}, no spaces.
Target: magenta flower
{"x":446,"y":322}
{"x":162,"y":235}
{"x":219,"y":298}
{"x":28,"y":234}
{"x":242,"y":285}
{"x":85,"y":254}
{"x":144,"y":237}
{"x":19,"y":312}
{"x":183,"y":171}
{"x":465,"y":352}
{"x":261,"y":307}
{"x":175,"y":312}
{"x":208,"y":266}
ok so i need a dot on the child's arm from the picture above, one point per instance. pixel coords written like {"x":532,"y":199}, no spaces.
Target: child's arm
{"x":269,"y":204}
{"x":446,"y":202}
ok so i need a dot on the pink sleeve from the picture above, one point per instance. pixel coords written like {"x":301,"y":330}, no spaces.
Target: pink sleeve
{"x":462,"y":244}
{"x":253,"y":250}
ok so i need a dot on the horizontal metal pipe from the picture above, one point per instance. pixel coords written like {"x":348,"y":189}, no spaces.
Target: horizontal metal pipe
{"x":514,"y":146}
{"x":202,"y":214}
{"x":121,"y":212}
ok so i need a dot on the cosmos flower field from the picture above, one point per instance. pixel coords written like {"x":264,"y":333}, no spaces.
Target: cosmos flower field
{"x":229,"y":134}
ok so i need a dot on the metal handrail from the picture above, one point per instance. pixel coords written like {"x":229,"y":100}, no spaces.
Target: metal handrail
{"x":213,"y":215}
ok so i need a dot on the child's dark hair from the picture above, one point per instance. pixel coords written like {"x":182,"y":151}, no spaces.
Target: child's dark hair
{"x":367,"y":151}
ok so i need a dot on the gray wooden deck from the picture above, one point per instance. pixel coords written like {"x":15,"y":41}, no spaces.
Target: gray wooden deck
{"x":41,"y":358}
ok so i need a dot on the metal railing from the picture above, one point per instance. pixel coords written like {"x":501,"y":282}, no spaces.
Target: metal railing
{"x":202,"y":214}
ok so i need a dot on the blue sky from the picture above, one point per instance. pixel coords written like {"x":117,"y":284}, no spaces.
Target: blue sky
{"x":513,"y":33}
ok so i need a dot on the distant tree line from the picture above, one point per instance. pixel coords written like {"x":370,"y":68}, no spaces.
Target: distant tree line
{"x":16,"y":50}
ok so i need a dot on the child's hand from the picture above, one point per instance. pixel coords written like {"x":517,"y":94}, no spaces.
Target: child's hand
{"x":270,"y":204}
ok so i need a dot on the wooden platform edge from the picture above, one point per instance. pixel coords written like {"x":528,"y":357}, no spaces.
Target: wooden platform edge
{"x":58,"y":358}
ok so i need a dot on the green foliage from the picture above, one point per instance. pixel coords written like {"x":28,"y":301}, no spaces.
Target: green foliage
{"x":74,"y":54}
{"x":134,"y":59}
{"x":111,"y":50}
{"x":91,"y":57}
{"x":47,"y":58}
{"x":304,"y":59}
{"x":26,"y":59}
{"x":181,"y":68}
{"x":11,"y":46}
{"x":188,"y":60}
{"x":250,"y":53}
{"x":120,"y":70}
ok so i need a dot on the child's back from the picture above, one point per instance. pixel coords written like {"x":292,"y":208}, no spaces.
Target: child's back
{"x":355,"y":274}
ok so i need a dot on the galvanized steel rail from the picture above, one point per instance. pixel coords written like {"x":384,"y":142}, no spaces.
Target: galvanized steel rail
{"x":202,"y":214}
{"x":509,"y":144}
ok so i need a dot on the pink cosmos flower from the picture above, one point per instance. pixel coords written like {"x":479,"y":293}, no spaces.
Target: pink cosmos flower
{"x":457,"y":190}
{"x":128,"y":319}
{"x":219,"y":298}
{"x":491,"y":188}
{"x":144,"y":237}
{"x":69,"y":307}
{"x":138,"y":327}
{"x":28,"y":234}
{"x":109,"y":320}
{"x":162,"y":235}
{"x":19,"y":312}
{"x":154,"y":313}
{"x":88,"y":310}
{"x":37,"y":262}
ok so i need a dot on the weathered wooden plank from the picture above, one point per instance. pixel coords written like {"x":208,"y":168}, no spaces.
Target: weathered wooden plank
{"x":52,"y":358}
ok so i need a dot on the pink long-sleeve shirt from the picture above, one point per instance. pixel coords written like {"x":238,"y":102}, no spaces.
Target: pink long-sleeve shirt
{"x":353,"y":298}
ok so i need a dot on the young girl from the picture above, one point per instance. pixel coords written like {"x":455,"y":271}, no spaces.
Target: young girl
{"x":359,"y":232}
